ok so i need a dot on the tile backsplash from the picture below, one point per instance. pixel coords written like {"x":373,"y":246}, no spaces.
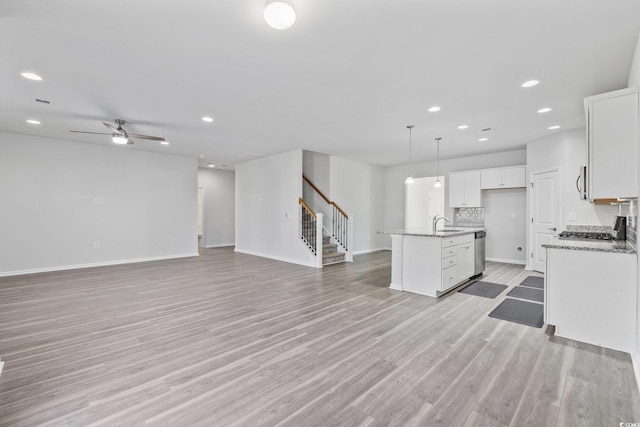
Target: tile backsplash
{"x":468,"y":217}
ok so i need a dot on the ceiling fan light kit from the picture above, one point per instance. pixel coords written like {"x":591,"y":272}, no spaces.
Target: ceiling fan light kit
{"x":279,"y":14}
{"x":121,"y":136}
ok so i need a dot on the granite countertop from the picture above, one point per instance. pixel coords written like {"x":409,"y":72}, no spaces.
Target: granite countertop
{"x":616,"y":246}
{"x":428,"y":232}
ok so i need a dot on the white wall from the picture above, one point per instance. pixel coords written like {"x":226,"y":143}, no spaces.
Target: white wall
{"x":49,"y":219}
{"x":359,"y":190}
{"x":394,"y":177}
{"x":219,"y":207}
{"x":634,"y":73}
{"x":267,"y":210}
{"x":567,"y":151}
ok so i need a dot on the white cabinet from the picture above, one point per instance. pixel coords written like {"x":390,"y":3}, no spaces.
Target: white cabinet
{"x":431,"y":265}
{"x":612,"y":134}
{"x":464,"y":189}
{"x":511,"y":177}
{"x":591,"y":296}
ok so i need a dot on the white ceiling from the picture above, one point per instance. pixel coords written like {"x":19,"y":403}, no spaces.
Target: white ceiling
{"x":345,"y":80}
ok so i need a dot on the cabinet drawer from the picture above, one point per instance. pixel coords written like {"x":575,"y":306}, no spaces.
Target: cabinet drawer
{"x":457,"y":240}
{"x":449,"y":251}
{"x":449,"y":261}
{"x":449,"y":277}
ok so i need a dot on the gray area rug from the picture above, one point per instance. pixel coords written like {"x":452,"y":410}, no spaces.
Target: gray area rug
{"x":484,"y":289}
{"x":533,"y":282}
{"x":517,"y":311}
{"x":530,"y":294}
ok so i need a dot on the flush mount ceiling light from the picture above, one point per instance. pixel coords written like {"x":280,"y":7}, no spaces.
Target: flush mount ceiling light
{"x":438,"y":184}
{"x":463,"y":127}
{"x":483,"y":139}
{"x":280,"y":14}
{"x":434,"y":109}
{"x":530,"y":83}
{"x":33,"y":122}
{"x":207,"y":119}
{"x":409,"y":179}
{"x":544,"y":110}
{"x":31,"y":76}
{"x":554,"y":127}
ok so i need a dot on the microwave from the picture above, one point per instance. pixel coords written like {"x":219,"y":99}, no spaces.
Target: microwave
{"x":581,"y":183}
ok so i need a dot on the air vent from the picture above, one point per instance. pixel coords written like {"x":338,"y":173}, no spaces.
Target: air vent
{"x":487,"y":129}
{"x":43,"y":102}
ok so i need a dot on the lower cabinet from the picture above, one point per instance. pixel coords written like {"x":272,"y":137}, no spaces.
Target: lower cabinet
{"x":431,"y":265}
{"x":592,"y":297}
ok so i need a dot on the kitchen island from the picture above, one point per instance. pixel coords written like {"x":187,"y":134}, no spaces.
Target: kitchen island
{"x":431,"y":263}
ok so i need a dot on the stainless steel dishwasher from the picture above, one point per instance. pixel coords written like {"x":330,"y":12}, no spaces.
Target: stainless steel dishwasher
{"x":479,"y":253}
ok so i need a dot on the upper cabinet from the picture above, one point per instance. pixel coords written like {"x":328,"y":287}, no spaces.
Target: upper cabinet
{"x":612,"y":134}
{"x":511,"y":177}
{"x":464,"y":189}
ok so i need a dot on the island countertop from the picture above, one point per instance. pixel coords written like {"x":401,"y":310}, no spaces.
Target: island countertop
{"x":428,"y":232}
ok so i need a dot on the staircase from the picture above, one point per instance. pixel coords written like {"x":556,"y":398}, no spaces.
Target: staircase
{"x":330,"y":254}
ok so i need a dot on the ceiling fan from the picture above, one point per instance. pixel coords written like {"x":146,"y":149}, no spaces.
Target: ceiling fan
{"x":121,"y":136}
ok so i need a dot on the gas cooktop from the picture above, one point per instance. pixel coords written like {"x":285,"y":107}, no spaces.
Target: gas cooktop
{"x":585,"y":235}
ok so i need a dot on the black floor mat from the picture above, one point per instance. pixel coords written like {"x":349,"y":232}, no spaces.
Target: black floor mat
{"x":533,"y":282}
{"x":522,"y":312}
{"x":484,"y":289}
{"x":530,"y":294}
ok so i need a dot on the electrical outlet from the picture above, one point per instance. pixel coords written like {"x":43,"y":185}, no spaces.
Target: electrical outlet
{"x":513,"y":215}
{"x":172,"y":241}
{"x":573,"y":217}
{"x":96,"y":245}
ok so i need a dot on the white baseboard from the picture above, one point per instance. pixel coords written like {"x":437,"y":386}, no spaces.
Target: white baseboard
{"x":507,"y":261}
{"x":94,"y":264}
{"x":277,"y":258}
{"x":368,"y":251}
{"x":220,"y":245}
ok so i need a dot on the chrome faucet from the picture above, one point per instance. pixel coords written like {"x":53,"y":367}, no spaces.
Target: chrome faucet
{"x":436,"y":219}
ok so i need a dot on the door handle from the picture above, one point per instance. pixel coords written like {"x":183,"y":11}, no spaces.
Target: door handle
{"x":552,"y":229}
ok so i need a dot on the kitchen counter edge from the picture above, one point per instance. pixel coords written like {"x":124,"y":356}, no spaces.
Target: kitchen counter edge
{"x":580,"y":245}
{"x":428,"y":233}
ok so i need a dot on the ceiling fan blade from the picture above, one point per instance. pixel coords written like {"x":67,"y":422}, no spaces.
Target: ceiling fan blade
{"x":93,"y":133}
{"x":112,"y":128}
{"x":152,"y":138}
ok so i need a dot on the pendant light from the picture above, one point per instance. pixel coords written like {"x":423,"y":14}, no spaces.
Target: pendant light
{"x":409,"y":179}
{"x":438,"y":184}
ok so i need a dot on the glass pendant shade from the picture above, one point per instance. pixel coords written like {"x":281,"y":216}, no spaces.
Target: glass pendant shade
{"x":119,"y":139}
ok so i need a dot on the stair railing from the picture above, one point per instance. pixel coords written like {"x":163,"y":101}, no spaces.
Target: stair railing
{"x":311,"y":230}
{"x":339,"y":229}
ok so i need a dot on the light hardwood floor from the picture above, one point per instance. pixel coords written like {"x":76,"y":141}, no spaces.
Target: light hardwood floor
{"x":228,"y":339}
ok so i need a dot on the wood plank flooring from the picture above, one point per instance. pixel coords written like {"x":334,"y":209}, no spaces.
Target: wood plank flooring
{"x":228,"y":339}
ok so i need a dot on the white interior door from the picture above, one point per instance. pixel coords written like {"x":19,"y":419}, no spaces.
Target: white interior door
{"x":545,"y":215}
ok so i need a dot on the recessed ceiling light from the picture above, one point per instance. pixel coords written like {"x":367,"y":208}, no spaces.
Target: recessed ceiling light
{"x":463,"y":126}
{"x":530,"y":83}
{"x":33,"y":122}
{"x":544,"y":110}
{"x":434,"y":109}
{"x":164,"y":142}
{"x":211,"y":165}
{"x":483,"y":139}
{"x":554,"y":127}
{"x":207,"y":119}
{"x":31,"y":76}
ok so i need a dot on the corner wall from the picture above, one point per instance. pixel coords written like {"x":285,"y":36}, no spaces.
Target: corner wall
{"x":219,"y":207}
{"x":267,"y":210}
{"x":69,"y":204}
